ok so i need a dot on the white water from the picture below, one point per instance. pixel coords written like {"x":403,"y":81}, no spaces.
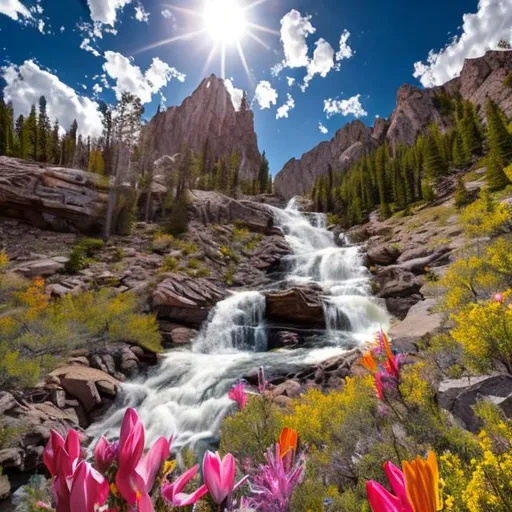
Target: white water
{"x":186,"y":396}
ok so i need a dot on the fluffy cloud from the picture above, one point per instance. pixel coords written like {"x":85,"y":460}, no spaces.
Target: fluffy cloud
{"x":141,"y":14}
{"x":345,"y":51}
{"x":265,"y":95}
{"x":129,"y":77}
{"x":323,"y":128}
{"x":284,"y":110}
{"x":352,"y":106}
{"x":236,"y":94}
{"x":105,"y":11}
{"x":86,"y":45}
{"x":26,"y":83}
{"x":481,"y":31}
{"x":97,"y":89}
{"x":13,"y":9}
{"x":169,"y":15}
{"x":321,"y":63}
{"x":290,"y":81}
{"x":294,"y":31}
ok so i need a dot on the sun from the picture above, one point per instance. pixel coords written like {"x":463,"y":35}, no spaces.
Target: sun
{"x":224,"y":20}
{"x":221,"y":24}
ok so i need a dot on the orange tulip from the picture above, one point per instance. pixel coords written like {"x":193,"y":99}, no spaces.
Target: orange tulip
{"x":288,"y":441}
{"x":422,"y":483}
{"x":369,"y":362}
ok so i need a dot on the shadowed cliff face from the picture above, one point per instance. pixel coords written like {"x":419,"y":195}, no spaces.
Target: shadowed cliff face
{"x":414,"y":112}
{"x":208,"y":124}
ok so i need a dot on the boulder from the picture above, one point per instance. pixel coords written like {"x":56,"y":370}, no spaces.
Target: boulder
{"x":290,"y":388}
{"x":52,"y":197}
{"x":40,"y":268}
{"x":185,"y":300}
{"x":81,"y":382}
{"x":383,"y":254}
{"x":459,"y":396}
{"x":397,"y":282}
{"x":298,"y":306}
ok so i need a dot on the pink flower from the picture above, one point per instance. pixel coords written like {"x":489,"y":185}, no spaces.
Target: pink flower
{"x":262,"y":383}
{"x":219,"y":476}
{"x":237,"y":394}
{"x":499,"y":298}
{"x":89,"y":489}
{"x":173,"y":494}
{"x":379,"y":387}
{"x":136,"y":474}
{"x":43,"y":505}
{"x":105,"y":454}
{"x":381,"y":500}
{"x":392,"y":366}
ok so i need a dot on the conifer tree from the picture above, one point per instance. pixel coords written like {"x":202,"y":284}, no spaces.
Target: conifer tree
{"x":3,"y":127}
{"x":498,"y":138}
{"x":435,"y":166}
{"x":496,"y":177}
{"x":234,"y":173}
{"x":470,"y":130}
{"x":21,"y":135}
{"x":461,"y":194}
{"x":43,"y":131}
{"x":263,"y":174}
{"x":31,"y":133}
{"x":54,"y":148}
{"x":457,"y":152}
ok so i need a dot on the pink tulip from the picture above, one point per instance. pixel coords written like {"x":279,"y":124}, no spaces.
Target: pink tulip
{"x":381,"y":500}
{"x":105,"y":454}
{"x":42,"y":505}
{"x":219,"y":476}
{"x":499,"y":298}
{"x":379,"y":387}
{"x":89,"y":489}
{"x":237,"y":394}
{"x":173,"y":494}
{"x":136,"y":474}
{"x":392,"y":366}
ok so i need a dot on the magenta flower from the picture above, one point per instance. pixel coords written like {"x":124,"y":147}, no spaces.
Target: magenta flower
{"x":238,"y":394}
{"x":262,"y":383}
{"x":173,"y":494}
{"x":272,"y":487}
{"x":499,"y":298}
{"x":105,"y":454}
{"x":381,"y":500}
{"x":219,"y":476}
{"x":379,"y":387}
{"x":89,"y":489}
{"x":136,"y":474}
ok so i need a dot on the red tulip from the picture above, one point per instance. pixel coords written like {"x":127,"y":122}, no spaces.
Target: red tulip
{"x":173,"y":494}
{"x":237,"y":394}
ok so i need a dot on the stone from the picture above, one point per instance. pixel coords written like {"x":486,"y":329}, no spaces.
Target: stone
{"x":80,"y":383}
{"x":383,"y":254}
{"x":397,"y":282}
{"x":290,"y":388}
{"x":52,"y":198}
{"x":459,"y":396}
{"x":298,"y":306}
{"x":5,"y":487}
{"x":40,"y":268}
{"x":208,"y":124}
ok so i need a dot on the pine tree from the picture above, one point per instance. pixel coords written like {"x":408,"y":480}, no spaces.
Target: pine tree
{"x":244,"y":104}
{"x":470,"y":130}
{"x":43,"y":130}
{"x":498,"y":138}
{"x":496,"y":177}
{"x":263,"y":174}
{"x":457,"y":152}
{"x":9,"y":130}
{"x":21,"y":135}
{"x":435,"y":166}
{"x":234,"y":173}
{"x":31,"y":134}
{"x":54,"y":144}
{"x":462,"y":197}
{"x":3,"y":127}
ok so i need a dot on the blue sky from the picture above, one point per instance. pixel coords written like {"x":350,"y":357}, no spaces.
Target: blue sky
{"x":386,"y":40}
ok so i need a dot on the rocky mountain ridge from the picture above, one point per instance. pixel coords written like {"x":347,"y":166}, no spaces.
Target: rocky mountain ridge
{"x":208,"y":123}
{"x":416,"y":109}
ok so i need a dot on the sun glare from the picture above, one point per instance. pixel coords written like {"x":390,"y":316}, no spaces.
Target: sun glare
{"x":224,"y":20}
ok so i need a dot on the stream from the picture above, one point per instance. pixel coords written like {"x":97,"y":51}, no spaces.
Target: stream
{"x":186,"y":395}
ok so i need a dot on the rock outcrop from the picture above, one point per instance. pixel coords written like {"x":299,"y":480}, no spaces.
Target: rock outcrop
{"x":416,"y":109}
{"x":208,"y":123}
{"x":52,"y":197}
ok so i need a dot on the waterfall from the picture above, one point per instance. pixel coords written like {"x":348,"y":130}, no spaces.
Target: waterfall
{"x":186,"y":395}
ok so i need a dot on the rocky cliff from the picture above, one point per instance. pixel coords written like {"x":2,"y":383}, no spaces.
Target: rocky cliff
{"x":416,"y":109}
{"x":208,"y":123}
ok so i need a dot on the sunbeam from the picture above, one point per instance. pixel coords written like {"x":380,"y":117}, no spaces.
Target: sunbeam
{"x":254,"y":4}
{"x":258,"y":40}
{"x":263,"y":29}
{"x":170,"y":40}
{"x":244,"y":61}
{"x":184,"y":10}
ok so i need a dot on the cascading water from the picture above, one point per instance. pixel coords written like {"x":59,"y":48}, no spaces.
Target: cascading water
{"x":186,"y":396}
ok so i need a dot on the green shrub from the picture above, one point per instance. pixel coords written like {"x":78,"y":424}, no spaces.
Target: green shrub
{"x":229,"y":275}
{"x":178,"y":221}
{"x":228,"y":254}
{"x":240,"y":234}
{"x":193,"y":263}
{"x":169,"y":265}
{"x":82,"y":253}
{"x":162,"y":243}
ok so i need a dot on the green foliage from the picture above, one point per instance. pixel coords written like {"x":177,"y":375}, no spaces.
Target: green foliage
{"x":82,"y":253}
{"x":462,"y":196}
{"x":229,"y":274}
{"x":170,"y":265}
{"x":162,"y":243}
{"x":229,"y":254}
{"x":36,"y":334}
{"x":499,"y":140}
{"x":508,"y":80}
{"x":496,"y":177}
{"x":178,"y":220}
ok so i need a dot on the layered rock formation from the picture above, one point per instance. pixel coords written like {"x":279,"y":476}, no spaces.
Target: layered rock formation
{"x":52,"y":197}
{"x":208,"y":123}
{"x":416,"y":109}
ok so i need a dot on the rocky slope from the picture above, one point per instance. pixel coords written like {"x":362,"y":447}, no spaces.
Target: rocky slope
{"x":415,"y":110}
{"x":208,"y":124}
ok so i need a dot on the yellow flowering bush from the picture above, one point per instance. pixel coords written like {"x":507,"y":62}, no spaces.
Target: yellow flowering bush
{"x":484,"y":218}
{"x":484,"y":332}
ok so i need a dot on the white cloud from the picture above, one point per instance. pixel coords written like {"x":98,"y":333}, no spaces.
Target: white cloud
{"x":169,"y":15}
{"x":141,"y":14}
{"x":323,"y":128}
{"x":129,"y":77}
{"x":105,"y":11}
{"x":352,"y":106}
{"x":86,"y":45}
{"x":265,"y":95}
{"x":345,"y":51}
{"x":290,"y":81}
{"x":97,"y":89}
{"x":13,"y":8}
{"x":40,"y":26}
{"x":284,"y":110}
{"x":481,"y":31}
{"x":62,"y":28}
{"x":294,"y":31}
{"x":321,"y":63}
{"x":236,"y":94}
{"x":26,"y":83}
